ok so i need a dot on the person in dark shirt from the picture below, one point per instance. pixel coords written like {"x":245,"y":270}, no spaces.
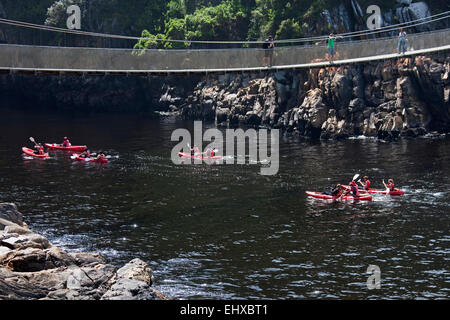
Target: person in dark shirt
{"x":268,"y":47}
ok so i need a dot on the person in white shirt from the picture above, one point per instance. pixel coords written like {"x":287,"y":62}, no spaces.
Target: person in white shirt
{"x":402,"y":42}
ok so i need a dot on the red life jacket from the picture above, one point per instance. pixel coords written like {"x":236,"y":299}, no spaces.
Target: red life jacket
{"x":354,"y":189}
{"x":367,"y":184}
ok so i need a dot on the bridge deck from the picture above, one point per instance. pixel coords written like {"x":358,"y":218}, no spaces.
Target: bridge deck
{"x":39,"y":59}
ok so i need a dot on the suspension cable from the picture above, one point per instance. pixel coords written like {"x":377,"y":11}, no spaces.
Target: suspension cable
{"x":409,"y":24}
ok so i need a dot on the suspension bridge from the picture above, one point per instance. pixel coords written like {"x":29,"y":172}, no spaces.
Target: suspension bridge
{"x":37,"y":59}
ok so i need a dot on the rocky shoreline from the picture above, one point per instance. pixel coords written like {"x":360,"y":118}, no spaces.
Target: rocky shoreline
{"x":405,"y":97}
{"x":31,"y":268}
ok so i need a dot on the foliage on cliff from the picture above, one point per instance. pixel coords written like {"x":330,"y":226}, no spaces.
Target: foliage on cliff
{"x":200,"y":19}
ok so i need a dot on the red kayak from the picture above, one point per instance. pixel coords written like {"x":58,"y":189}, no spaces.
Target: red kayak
{"x":378,"y":191}
{"x":55,"y":146}
{"x":321,"y":195}
{"x":31,"y":152}
{"x":89,"y":159}
{"x":189,"y":156}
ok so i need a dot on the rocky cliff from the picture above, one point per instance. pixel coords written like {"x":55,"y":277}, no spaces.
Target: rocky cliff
{"x":32,"y":268}
{"x":87,"y":94}
{"x":388,"y":99}
{"x":404,"y":97}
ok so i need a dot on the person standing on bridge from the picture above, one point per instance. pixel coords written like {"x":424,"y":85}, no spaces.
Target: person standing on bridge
{"x":268,"y":51}
{"x":331,"y":46}
{"x":402,"y":42}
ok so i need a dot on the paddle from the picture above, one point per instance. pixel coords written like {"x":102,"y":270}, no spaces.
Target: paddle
{"x":190,"y":149}
{"x":32,"y":140}
{"x":35,"y":143}
{"x":348,"y":191}
{"x":362,"y":184}
{"x":387,"y":189}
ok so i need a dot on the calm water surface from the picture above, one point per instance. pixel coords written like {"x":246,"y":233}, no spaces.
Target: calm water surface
{"x":225,"y":231}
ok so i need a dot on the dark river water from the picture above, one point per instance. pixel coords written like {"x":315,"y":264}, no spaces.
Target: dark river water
{"x":226,"y":231}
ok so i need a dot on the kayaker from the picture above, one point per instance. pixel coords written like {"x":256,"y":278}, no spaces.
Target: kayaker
{"x":101,"y":157}
{"x":66,"y":143}
{"x":210,"y":152}
{"x":353,"y":189}
{"x":337,"y":191}
{"x":85,"y":154}
{"x":39,"y":149}
{"x":390,"y":185}
{"x":365,"y":183}
{"x":194,"y":151}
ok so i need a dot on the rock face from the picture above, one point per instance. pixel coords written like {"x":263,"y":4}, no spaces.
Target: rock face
{"x":404,"y":97}
{"x":89,"y":94}
{"x":32,"y":268}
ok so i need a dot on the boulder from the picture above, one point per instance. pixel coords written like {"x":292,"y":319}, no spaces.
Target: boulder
{"x":9,"y":212}
{"x":316,"y":111}
{"x":32,"y":268}
{"x":222,"y":115}
{"x":132,"y":281}
{"x":136,"y":269}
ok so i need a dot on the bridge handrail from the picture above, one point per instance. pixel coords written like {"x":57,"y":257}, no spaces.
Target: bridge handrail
{"x":296,"y":66}
{"x":203,"y":60}
{"x":338,"y":44}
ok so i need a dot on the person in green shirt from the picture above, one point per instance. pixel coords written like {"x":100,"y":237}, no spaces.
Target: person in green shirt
{"x":331,"y":48}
